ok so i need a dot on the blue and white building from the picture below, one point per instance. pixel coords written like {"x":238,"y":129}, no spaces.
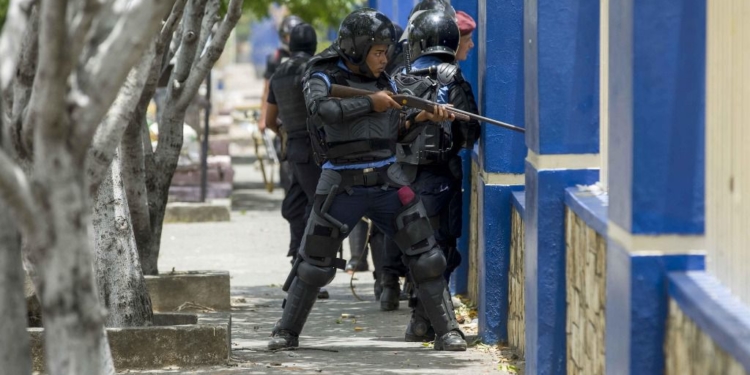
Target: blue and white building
{"x":611,"y":237}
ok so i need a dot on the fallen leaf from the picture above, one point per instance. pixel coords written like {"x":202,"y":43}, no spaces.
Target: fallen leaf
{"x":358,"y":329}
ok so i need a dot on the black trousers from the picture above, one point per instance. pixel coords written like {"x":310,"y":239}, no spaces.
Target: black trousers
{"x":300,"y":195}
{"x":440,"y":192}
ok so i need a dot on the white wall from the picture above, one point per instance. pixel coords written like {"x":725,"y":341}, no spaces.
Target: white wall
{"x":728,"y":144}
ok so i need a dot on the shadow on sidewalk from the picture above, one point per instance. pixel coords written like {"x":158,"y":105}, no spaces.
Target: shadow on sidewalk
{"x":370,"y":343}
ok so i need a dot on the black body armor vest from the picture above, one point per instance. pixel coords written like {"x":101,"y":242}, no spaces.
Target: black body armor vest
{"x":287,"y":88}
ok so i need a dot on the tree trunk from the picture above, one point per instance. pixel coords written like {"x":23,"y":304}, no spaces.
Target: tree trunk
{"x":159,"y":175}
{"x":73,"y":316}
{"x":15,"y":357}
{"x":122,"y":287}
{"x":133,"y":147}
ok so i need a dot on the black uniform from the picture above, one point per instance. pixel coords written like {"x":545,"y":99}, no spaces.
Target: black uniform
{"x":286,"y":92}
{"x":359,"y":179}
{"x":431,"y":151}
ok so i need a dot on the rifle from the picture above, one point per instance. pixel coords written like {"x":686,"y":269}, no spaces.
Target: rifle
{"x":340,"y":91}
{"x":270,"y":154}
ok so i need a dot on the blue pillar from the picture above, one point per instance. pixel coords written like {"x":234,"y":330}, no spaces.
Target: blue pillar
{"x":500,"y":154}
{"x":459,"y":279}
{"x":656,"y":197}
{"x":561,"y":71}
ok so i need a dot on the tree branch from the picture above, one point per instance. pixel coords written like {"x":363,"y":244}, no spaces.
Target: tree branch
{"x":79,"y":24}
{"x":174,"y":44}
{"x":210,"y":18}
{"x":167,"y":30}
{"x":15,"y":190}
{"x":19,"y":13}
{"x":105,"y":72}
{"x":191,"y":24}
{"x":213,"y":52}
{"x":109,"y":134}
{"x":22,"y":88}
{"x":48,"y":96}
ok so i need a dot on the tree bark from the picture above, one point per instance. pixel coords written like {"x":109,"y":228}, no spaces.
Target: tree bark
{"x":191,"y":68}
{"x":15,"y":357}
{"x":73,"y":316}
{"x":122,"y":287}
{"x":71,"y":70}
{"x":137,"y":152}
{"x":111,"y":132}
{"x":134,"y":176}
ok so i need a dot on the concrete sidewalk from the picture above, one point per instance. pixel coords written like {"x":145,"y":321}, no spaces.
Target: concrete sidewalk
{"x":252,"y":247}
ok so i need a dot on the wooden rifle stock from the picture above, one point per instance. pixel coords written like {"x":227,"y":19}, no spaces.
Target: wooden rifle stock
{"x":340,"y":91}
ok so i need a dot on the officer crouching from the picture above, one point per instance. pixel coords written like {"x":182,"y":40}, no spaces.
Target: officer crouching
{"x":358,"y":137}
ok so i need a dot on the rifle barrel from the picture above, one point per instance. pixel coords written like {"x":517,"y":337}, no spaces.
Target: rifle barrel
{"x":489,"y":120}
{"x":343,"y":91}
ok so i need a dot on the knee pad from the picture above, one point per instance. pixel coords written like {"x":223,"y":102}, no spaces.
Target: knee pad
{"x":321,"y":241}
{"x":314,"y":275}
{"x":414,"y":234}
{"x":427,"y":266}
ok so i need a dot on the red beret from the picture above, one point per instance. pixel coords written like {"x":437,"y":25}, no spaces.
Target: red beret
{"x":466,"y":24}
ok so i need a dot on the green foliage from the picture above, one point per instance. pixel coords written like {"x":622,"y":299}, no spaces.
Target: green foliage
{"x":3,"y":10}
{"x":319,"y":12}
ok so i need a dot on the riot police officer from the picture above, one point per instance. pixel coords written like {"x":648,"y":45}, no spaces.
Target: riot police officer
{"x":287,"y":103}
{"x":272,"y":63}
{"x":431,"y":151}
{"x":360,"y":178}
{"x":392,"y":265}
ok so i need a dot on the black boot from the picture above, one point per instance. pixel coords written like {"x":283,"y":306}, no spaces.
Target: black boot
{"x":299,"y":302}
{"x":376,"y":245}
{"x":358,"y":247}
{"x":438,"y":307}
{"x":419,"y":328}
{"x":377,"y":288}
{"x":389,"y":298}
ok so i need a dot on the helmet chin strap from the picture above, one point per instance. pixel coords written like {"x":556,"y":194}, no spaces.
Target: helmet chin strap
{"x":364,"y":69}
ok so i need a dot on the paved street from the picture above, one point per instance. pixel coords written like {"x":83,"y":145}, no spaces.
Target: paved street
{"x":252,"y":248}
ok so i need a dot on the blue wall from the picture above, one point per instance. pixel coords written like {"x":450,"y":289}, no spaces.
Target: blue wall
{"x":562,"y":53}
{"x":637,"y":300}
{"x":397,"y":10}
{"x":561,"y":92}
{"x":494,"y":202}
{"x":656,"y":146}
{"x":501,"y":60}
{"x":657,"y":111}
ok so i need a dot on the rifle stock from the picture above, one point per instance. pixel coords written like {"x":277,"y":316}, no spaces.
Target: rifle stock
{"x":340,"y":91}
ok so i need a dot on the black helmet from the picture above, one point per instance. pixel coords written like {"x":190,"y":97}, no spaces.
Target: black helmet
{"x":359,"y":31}
{"x":303,"y":39}
{"x":398,"y":47}
{"x":441,"y":5}
{"x":433,"y":32}
{"x":287,"y":25}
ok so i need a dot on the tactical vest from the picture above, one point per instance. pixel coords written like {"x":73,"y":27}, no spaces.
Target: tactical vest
{"x":368,"y":138}
{"x":428,"y":142}
{"x":287,"y":88}
{"x":274,"y":60}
